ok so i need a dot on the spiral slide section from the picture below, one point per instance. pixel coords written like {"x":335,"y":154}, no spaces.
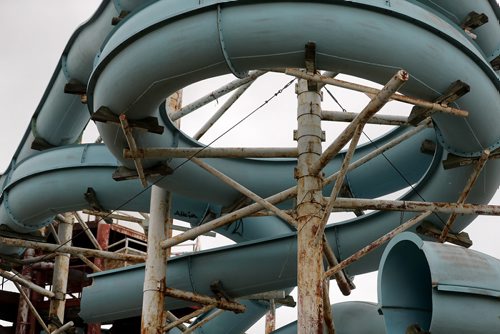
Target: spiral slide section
{"x":163,"y":46}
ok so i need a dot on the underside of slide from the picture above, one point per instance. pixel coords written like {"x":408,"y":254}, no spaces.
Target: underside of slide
{"x":163,"y":46}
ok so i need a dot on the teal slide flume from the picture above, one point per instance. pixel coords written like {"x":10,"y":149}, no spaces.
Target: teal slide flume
{"x":163,"y":46}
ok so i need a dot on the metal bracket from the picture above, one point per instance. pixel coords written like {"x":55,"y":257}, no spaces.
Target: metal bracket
{"x":117,"y":19}
{"x":454,"y":161}
{"x":310,"y":63}
{"x":474,"y":20}
{"x":428,"y":147}
{"x":430,"y":230}
{"x":123,"y":173}
{"x":495,"y":63}
{"x":75,"y":87}
{"x":91,"y":198}
{"x":345,"y":191}
{"x":218,"y":290}
{"x":456,"y":90}
{"x":150,"y":124}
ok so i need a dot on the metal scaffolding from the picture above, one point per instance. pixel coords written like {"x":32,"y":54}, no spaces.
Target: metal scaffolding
{"x":309,"y":216}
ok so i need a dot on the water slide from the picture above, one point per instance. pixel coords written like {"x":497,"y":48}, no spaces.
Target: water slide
{"x":163,"y":46}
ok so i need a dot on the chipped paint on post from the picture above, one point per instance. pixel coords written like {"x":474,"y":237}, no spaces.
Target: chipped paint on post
{"x":156,"y":263}
{"x":309,"y":212}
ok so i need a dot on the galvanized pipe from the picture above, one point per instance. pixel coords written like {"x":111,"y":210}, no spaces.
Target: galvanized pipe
{"x":478,"y":167}
{"x":63,"y":328}
{"x":171,"y":317}
{"x":210,"y":152}
{"x":245,"y":191}
{"x":218,"y":114}
{"x":212,"y":316}
{"x":415,"y":206}
{"x":31,"y":307}
{"x":87,"y":230}
{"x":373,"y":91}
{"x":340,"y":116}
{"x":185,"y":318}
{"x":381,"y":98}
{"x":156,"y":262}
{"x":309,"y":211}
{"x":205,"y":300}
{"x":377,"y":243}
{"x":71,"y":250}
{"x":214,"y":95}
{"x":61,"y":272}
{"x":18,"y":279}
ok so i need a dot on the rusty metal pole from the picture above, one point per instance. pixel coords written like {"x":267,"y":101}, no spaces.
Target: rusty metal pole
{"x":103,"y":232}
{"x":61,"y":271}
{"x":309,"y":211}
{"x":22,"y":323}
{"x":156,"y":263}
{"x":271,"y":317}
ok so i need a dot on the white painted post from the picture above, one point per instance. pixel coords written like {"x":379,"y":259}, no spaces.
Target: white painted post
{"x":61,"y":271}
{"x":309,"y":211}
{"x":156,"y":263}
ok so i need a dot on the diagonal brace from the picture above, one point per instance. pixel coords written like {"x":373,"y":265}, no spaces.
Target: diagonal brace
{"x":374,"y":106}
{"x":467,"y":189}
{"x":127,"y":130}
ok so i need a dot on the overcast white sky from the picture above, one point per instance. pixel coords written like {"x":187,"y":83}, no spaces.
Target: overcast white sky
{"x":33,"y":34}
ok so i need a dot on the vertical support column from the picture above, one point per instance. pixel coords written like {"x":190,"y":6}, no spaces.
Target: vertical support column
{"x":22,"y":321}
{"x":103,"y":231}
{"x":156,"y":263}
{"x":35,"y":298}
{"x":309,"y":210}
{"x":61,"y":270}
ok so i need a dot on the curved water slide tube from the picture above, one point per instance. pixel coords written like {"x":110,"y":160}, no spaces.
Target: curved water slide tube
{"x":426,"y":42}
